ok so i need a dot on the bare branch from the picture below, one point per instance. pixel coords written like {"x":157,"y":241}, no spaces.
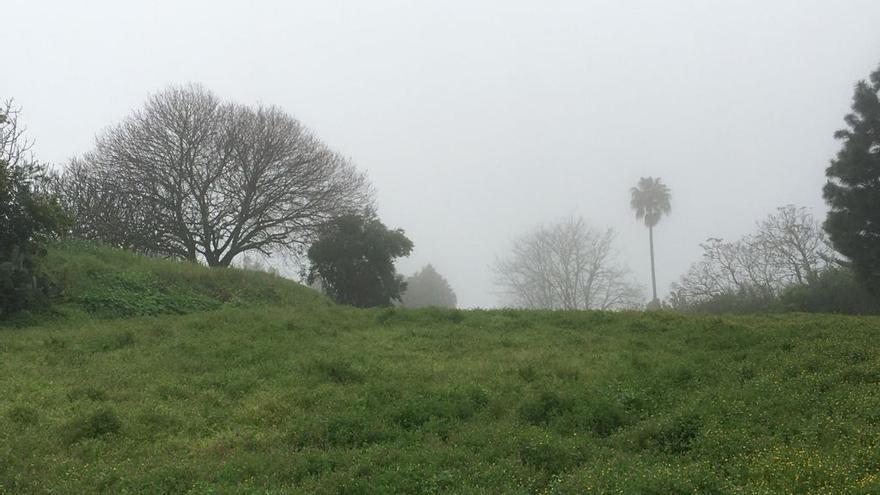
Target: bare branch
{"x":194,"y":177}
{"x":567,"y":265}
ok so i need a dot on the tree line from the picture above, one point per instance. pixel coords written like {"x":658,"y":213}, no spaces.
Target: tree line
{"x":193,"y":177}
{"x":792,"y":262}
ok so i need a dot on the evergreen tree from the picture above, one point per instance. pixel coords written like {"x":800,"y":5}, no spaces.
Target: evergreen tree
{"x":428,"y":288}
{"x":353,"y":261}
{"x":28,"y":217}
{"x":853,"y":187}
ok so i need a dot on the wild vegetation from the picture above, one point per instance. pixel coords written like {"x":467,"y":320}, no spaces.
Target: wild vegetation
{"x":29,"y":217}
{"x":243,"y":382}
{"x":122,"y":373}
{"x":426,"y":288}
{"x":853,"y":186}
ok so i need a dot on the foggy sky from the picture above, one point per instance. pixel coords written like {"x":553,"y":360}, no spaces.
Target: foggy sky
{"x":476,"y":121}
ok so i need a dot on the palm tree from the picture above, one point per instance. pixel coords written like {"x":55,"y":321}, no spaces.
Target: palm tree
{"x":650,"y":200}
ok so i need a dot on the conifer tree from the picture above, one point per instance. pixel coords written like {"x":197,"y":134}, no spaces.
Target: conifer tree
{"x":853,"y":187}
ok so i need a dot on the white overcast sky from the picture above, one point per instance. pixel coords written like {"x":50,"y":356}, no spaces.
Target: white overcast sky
{"x":478,"y":120}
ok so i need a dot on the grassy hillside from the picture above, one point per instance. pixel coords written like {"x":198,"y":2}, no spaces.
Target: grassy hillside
{"x":300,"y":397}
{"x":110,"y":283}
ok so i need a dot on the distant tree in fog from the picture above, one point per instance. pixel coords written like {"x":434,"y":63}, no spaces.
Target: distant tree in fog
{"x":192,"y":177}
{"x":650,"y":200}
{"x":254,"y":263}
{"x":428,"y":288}
{"x":566,"y":265}
{"x":853,"y":187}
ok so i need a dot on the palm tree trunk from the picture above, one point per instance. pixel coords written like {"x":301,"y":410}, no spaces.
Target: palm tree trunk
{"x":653,"y":278}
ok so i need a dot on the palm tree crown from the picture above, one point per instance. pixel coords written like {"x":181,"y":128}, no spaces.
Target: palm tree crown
{"x":650,"y":200}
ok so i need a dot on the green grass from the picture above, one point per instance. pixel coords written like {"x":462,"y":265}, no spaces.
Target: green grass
{"x":297,"y":396}
{"x":102,"y":282}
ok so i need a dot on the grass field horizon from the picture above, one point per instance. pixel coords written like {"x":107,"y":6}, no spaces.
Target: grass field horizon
{"x":158,"y":377}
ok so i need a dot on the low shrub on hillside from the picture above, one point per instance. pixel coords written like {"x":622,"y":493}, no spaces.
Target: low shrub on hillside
{"x":835,"y":290}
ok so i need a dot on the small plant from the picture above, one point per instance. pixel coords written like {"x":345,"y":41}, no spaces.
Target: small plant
{"x":94,"y":425}
{"x":23,"y":415}
{"x":338,"y":371}
{"x":548,"y":404}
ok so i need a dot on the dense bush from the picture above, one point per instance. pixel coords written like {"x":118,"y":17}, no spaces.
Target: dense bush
{"x":28,"y":217}
{"x":836,"y":290}
{"x":352,"y":261}
{"x":731,"y":302}
{"x":833,"y":290}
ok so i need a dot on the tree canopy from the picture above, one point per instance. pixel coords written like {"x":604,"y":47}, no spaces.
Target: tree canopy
{"x":353,"y":261}
{"x":29,"y":215}
{"x":787,"y":249}
{"x":566,"y":265}
{"x":427,"y":288}
{"x":853,"y":188}
{"x":194,"y":177}
{"x":650,"y":200}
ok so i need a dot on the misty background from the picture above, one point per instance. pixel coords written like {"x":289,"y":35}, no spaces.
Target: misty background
{"x":477,"y":121}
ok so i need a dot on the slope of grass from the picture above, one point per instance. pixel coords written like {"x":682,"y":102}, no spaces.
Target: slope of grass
{"x":308,"y":398}
{"x":111,"y":283}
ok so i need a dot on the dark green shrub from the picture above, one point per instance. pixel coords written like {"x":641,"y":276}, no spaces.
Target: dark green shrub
{"x":97,"y":424}
{"x":672,"y":436}
{"x":451,"y":404}
{"x":835,"y":290}
{"x":745,"y":302}
{"x":547,"y":456}
{"x":23,"y":415}
{"x":605,"y":417}
{"x":29,"y":216}
{"x":547,"y":405}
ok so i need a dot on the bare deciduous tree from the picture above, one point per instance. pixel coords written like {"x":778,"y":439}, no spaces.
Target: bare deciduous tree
{"x":788,"y":248}
{"x":14,"y":146}
{"x":192,"y":177}
{"x":567,"y":265}
{"x":796,"y":243}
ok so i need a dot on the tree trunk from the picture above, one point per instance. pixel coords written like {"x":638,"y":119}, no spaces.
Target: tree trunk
{"x":653,"y":277}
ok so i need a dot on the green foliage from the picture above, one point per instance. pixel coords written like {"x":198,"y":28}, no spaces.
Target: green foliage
{"x":427,"y":288}
{"x":320,"y":399}
{"x":833,"y":290}
{"x":853,"y":187}
{"x":541,"y":409}
{"x":299,"y":396}
{"x":28,"y":218}
{"x":836,"y":290}
{"x":650,"y":200}
{"x":733,"y":302}
{"x":93,"y":425}
{"x":353,"y":261}
{"x":112,"y":283}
